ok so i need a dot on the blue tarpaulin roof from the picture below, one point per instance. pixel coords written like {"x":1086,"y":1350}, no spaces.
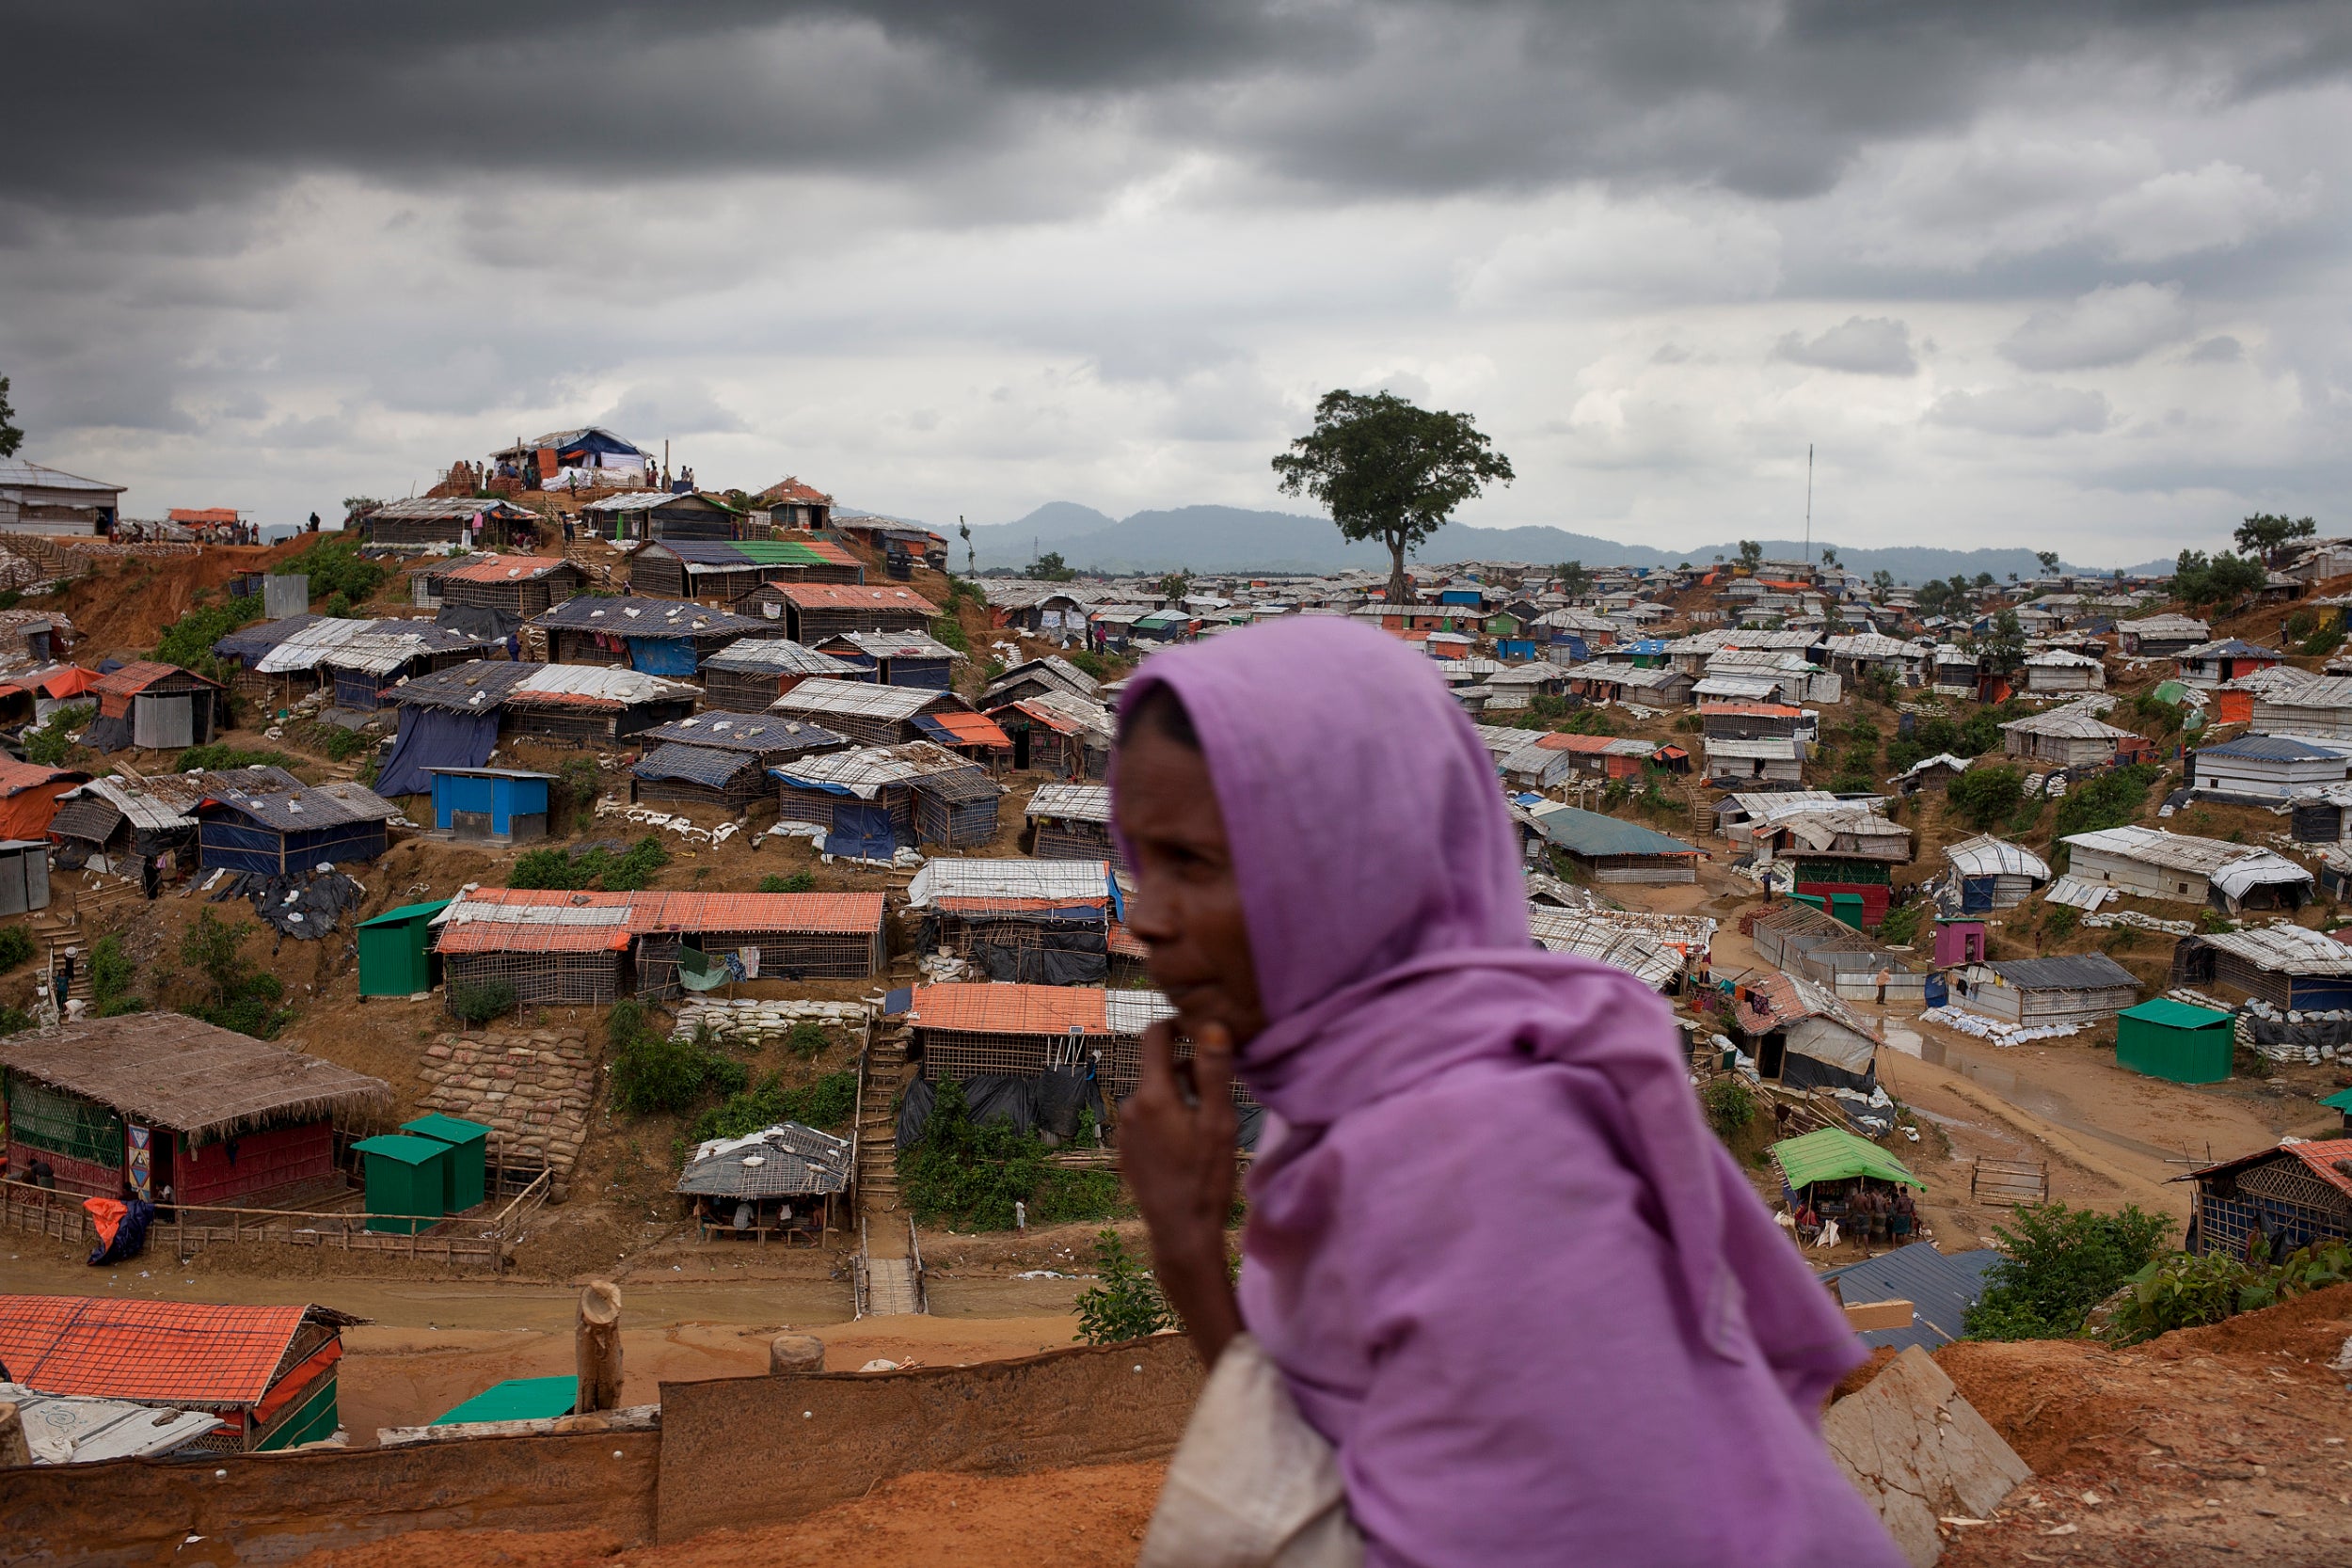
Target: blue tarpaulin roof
{"x":1588,"y":832}
{"x":436,"y":737}
{"x":1940,"y":1287}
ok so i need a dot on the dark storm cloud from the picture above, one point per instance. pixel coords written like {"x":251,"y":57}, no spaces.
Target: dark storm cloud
{"x":119,"y":106}
{"x":1872,"y":345}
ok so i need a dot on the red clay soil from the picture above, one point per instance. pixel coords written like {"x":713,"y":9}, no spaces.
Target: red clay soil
{"x":2208,"y":1446}
{"x":124,"y":604}
{"x":1083,"y":1518}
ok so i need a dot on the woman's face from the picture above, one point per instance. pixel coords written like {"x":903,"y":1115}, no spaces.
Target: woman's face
{"x":1187,"y":902}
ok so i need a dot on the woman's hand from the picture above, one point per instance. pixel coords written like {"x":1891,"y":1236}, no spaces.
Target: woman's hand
{"x":1176,"y":1145}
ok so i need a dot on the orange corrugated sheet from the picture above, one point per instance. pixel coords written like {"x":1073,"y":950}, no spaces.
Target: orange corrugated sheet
{"x":297,"y":1382}
{"x":503,"y":568}
{"x":1003,"y":1009}
{"x":184,"y":1352}
{"x":2233,"y":708}
{"x":756,"y":911}
{"x":972,"y":729}
{"x":819,"y":595}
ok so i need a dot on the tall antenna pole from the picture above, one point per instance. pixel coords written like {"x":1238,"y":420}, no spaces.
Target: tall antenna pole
{"x":1808,"y":504}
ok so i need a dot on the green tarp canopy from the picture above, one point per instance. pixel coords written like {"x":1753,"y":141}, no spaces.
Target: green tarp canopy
{"x":1834,"y":1154}
{"x":518,"y":1398}
{"x":2340,"y":1101}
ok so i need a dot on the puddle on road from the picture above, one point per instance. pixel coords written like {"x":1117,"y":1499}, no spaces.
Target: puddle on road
{"x":2025,"y":1093}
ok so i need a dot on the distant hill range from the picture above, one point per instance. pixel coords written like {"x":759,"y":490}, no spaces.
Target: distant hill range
{"x":1232,"y":539}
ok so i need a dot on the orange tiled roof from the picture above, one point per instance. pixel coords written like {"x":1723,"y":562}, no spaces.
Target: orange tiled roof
{"x":858,"y":913}
{"x":503,"y":568}
{"x":817,"y":596}
{"x":1587,"y":743}
{"x":972,"y":729}
{"x":140,"y":675}
{"x":203,"y":515}
{"x":16,"y":777}
{"x":1003,"y":1009}
{"x":792,"y":488}
{"x":184,"y":1352}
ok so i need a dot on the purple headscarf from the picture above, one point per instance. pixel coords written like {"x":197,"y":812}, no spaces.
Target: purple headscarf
{"x":1502,"y":1262}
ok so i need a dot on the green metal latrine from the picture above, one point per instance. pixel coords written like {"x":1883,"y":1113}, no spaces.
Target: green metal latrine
{"x":317,"y":1418}
{"x":2175,"y":1041}
{"x":463,"y":1170}
{"x":518,"y":1398}
{"x":404,"y":1183}
{"x":396,"y":950}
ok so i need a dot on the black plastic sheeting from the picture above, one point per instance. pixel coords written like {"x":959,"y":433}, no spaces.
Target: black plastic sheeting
{"x":2312,"y":1031}
{"x":434,"y":737}
{"x":108,"y":735}
{"x":479,"y":620}
{"x":307,"y":905}
{"x":914,"y":1112}
{"x":994,"y":1097}
{"x":1063,"y":1095}
{"x":1801,"y":1071}
{"x":1050,"y":965}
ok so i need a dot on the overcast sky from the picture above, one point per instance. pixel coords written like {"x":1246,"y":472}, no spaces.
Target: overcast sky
{"x":2028,"y":273}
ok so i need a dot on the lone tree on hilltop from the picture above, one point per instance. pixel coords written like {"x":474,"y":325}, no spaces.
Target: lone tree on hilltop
{"x":1751,"y":556}
{"x":11,"y":436}
{"x":2049,"y":560}
{"x":1390,"y":471}
{"x":2266,"y":534}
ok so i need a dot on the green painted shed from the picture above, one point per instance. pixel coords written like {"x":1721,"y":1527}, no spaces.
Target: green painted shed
{"x":2172,"y":1041}
{"x":518,"y":1398}
{"x":1847,"y":908}
{"x":396,"y":950}
{"x":404,"y":1178}
{"x":464,"y":1170}
{"x":2341,"y":1101}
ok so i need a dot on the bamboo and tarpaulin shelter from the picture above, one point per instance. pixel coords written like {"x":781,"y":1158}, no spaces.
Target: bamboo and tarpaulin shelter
{"x":741,"y":575}
{"x":30,"y":696}
{"x":896,"y":658}
{"x":156,"y":706}
{"x":1057,"y":733}
{"x":576,"y":949}
{"x":512,"y":588}
{"x":968,"y":735}
{"x":1993,"y":874}
{"x":747,"y":1184}
{"x":1611,"y":849}
{"x":278,"y":832}
{"x":29,"y":792}
{"x":1801,"y":940}
{"x":2291,"y":967}
{"x":2290,"y":1196}
{"x":157,"y":1100}
{"x":681,"y":775}
{"x":966,"y":1031}
{"x":424,"y":521}
{"x":358,"y":672}
{"x":590,"y":705}
{"x":816,"y":610}
{"x":874,"y":801}
{"x":660,"y":636}
{"x":1801,"y":1034}
{"x":551,"y":949}
{"x":876,"y":715}
{"x":450,"y":718}
{"x":267,"y":1372}
{"x":771,"y":936}
{"x":1036,"y":922}
{"x":1070,"y":822}
{"x":1829,"y":1168}
{"x":2175,"y":1041}
{"x":748,"y":676}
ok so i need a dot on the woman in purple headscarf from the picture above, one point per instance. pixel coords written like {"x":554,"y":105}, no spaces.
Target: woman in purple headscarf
{"x":1528,"y":1307}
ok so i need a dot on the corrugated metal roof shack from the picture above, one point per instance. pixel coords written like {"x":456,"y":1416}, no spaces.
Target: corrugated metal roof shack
{"x":749,"y":676}
{"x":278,"y":832}
{"x":151,"y":706}
{"x":518,"y":585}
{"x":661,"y":515}
{"x":877,"y":715}
{"x":448,"y":719}
{"x":1993,"y":874}
{"x":552,"y":949}
{"x":268,"y":1372}
{"x":2152,"y":864}
{"x":1036,"y":922}
{"x":427,"y":520}
{"x":586,"y":705}
{"x":660,"y":636}
{"x":360,"y":670}
{"x":2289,"y":967}
{"x":896,"y":658}
{"x":744,"y":575}
{"x":1804,"y":940}
{"x":1613,"y":850}
{"x":2175,"y":1041}
{"x":772,"y":1170}
{"x":2291,"y":1196}
{"x":1801,"y":1034}
{"x":1069,"y":822}
{"x":681,"y":775}
{"x":1057,"y":733}
{"x":2033,"y":993}
{"x":159,"y":1101}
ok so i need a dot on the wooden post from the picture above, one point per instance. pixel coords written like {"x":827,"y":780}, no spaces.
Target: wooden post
{"x":596,"y":1347}
{"x":13,"y":1447}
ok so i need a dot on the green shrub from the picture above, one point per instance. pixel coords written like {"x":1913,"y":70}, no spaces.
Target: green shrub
{"x":826,"y":1103}
{"x":341,"y":745}
{"x":1728,"y":1105}
{"x":111,"y":976}
{"x":1900,"y":928}
{"x":1091,"y":662}
{"x":650,"y":1071}
{"x":800,"y":881}
{"x":807,"y":1040}
{"x":219,"y":755}
{"x":188,"y":642}
{"x":2061,"y":1262}
{"x":1124,"y":1302}
{"x":949,"y":630}
{"x":2180,"y":1292}
{"x":971,"y":1176}
{"x":580,"y":780}
{"x":49,"y":744}
{"x":628,"y":872}
{"x":2109,"y":801}
{"x":14,"y":1020}
{"x":16,"y":946}
{"x":336,"y":569}
{"x":482,"y":1001}
{"x":2060,"y":920}
{"x":1984,"y":796}
{"x":237,"y":995}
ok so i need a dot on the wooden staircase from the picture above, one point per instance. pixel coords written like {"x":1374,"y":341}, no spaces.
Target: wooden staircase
{"x":886,"y":1072}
